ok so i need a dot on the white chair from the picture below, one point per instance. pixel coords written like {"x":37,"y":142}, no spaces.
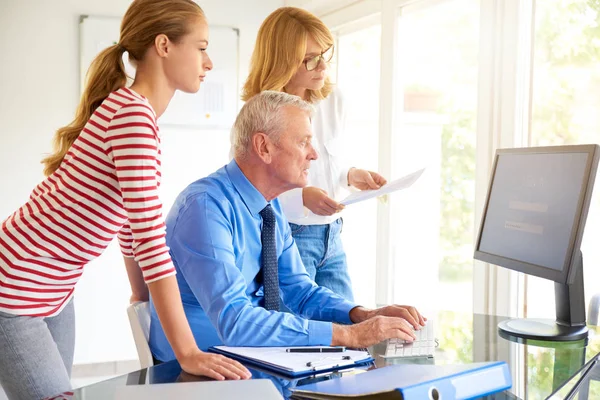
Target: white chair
{"x":139,"y":319}
{"x":594,"y":310}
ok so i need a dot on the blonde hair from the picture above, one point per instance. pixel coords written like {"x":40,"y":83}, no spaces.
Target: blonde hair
{"x":143,"y":21}
{"x":262,"y":113}
{"x":280,"y":49}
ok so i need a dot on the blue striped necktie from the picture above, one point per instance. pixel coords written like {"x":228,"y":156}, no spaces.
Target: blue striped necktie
{"x":269,"y":259}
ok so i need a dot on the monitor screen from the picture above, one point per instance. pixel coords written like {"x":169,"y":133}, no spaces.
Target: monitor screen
{"x":533,"y":216}
{"x":532,"y":207}
{"x":533,"y":222}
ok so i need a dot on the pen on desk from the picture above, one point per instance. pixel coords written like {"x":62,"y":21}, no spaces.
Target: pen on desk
{"x":316,"y":349}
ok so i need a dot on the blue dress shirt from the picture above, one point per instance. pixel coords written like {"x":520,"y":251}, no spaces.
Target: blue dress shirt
{"x":213,"y":231}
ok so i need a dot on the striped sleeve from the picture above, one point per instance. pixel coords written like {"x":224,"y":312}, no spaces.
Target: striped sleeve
{"x":126,"y":241}
{"x":132,"y":144}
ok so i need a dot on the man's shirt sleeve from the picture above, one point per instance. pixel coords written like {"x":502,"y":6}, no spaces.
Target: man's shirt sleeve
{"x":304,"y":296}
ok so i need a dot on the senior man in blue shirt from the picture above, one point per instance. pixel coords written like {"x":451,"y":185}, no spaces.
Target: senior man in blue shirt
{"x":235,"y":256}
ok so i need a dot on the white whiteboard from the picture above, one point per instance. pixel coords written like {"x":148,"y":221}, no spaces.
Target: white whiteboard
{"x":214,"y":106}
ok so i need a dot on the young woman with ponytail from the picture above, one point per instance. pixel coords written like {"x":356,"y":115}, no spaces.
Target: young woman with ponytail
{"x":102,"y":181}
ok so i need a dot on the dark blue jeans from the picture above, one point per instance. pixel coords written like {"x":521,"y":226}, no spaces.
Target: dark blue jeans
{"x":323,"y":256}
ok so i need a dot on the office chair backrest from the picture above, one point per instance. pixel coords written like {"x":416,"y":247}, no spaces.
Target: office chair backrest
{"x":594,"y":310}
{"x":139,"y":319}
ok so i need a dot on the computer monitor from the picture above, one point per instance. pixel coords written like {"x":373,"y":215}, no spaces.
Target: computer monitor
{"x":535,"y":213}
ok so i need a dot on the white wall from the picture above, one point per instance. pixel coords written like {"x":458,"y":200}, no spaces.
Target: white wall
{"x":39,"y":91}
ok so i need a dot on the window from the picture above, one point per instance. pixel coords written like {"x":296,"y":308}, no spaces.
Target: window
{"x":358,"y":64}
{"x":433,"y":223}
{"x":566,"y":99}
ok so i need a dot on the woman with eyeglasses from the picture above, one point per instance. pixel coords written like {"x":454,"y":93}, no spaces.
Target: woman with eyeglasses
{"x":292,"y":52}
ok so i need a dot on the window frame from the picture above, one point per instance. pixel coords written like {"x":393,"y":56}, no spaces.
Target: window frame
{"x":503,"y":110}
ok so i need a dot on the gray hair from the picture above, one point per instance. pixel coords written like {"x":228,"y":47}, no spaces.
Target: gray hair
{"x":263,"y":113}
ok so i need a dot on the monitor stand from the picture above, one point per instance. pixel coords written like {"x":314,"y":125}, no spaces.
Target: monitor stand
{"x":570,"y":314}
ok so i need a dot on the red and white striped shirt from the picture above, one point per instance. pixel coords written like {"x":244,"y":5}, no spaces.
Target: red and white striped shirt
{"x":107,"y":185}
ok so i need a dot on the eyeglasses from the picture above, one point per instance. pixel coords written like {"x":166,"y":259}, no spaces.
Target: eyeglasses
{"x":312,"y":63}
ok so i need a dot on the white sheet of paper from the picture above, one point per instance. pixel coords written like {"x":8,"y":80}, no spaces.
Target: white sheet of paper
{"x":296,"y":362}
{"x":399,"y":184}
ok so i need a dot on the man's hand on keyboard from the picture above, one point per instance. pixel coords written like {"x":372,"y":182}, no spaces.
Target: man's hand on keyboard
{"x":371,"y":331}
{"x":409,"y":313}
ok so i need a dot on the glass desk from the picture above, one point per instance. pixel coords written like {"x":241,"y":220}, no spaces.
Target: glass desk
{"x":538,"y":368}
{"x":585,"y":384}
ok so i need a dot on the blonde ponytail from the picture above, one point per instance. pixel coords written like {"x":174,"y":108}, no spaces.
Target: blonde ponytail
{"x":105,"y":75}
